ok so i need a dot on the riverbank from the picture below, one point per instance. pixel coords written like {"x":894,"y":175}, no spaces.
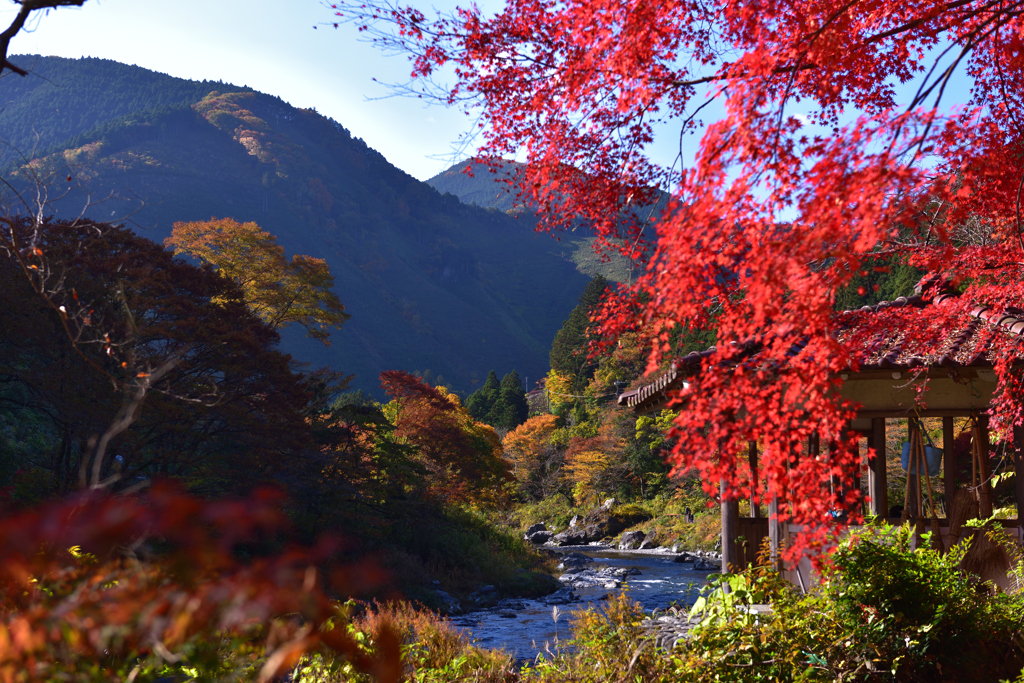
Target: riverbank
{"x":591,"y":576}
{"x":873,"y":616}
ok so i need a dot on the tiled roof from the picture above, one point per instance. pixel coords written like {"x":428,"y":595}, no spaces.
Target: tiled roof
{"x":966,"y":345}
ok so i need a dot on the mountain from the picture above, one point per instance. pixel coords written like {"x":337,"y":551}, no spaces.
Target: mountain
{"x":433,"y":285}
{"x":493,"y":188}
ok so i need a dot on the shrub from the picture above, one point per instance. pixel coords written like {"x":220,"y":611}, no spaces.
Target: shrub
{"x":885,"y":612}
{"x":432,"y":651}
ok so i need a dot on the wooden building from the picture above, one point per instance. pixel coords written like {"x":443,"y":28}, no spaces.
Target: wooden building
{"x":961,"y":383}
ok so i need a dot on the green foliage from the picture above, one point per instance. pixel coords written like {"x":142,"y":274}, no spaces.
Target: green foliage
{"x":884,"y":612}
{"x":884,"y":279}
{"x":64,"y":98}
{"x":480,"y":402}
{"x":501,"y":405}
{"x":569,"y":349}
{"x":510,"y":409}
{"x":914,"y":610}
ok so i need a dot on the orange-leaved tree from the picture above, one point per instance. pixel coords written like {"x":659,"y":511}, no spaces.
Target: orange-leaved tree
{"x":279,"y":291}
{"x":832,"y":149}
{"x":463,"y":456}
{"x":529,"y":450}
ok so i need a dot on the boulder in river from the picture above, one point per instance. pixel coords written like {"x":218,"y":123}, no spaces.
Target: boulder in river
{"x":540,"y":537}
{"x":601,"y":523}
{"x":574,"y":560}
{"x":449,"y":604}
{"x":631,"y":540}
{"x":560,"y":597}
{"x":576,"y":536}
{"x":650,"y":543}
{"x":534,"y":528}
{"x":486,"y":596}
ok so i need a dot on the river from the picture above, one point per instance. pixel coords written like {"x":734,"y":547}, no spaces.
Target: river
{"x":526,"y":627}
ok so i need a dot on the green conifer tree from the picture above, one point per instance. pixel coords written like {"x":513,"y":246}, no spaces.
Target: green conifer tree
{"x":569,"y":349}
{"x":481,"y":401}
{"x":511,"y":409}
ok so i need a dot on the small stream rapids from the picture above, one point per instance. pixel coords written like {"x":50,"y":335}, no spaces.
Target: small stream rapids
{"x":526,"y":627}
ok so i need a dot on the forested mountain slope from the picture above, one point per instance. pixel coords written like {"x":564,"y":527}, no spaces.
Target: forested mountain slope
{"x":62,"y":98}
{"x":431,"y":283}
{"x":490,"y":187}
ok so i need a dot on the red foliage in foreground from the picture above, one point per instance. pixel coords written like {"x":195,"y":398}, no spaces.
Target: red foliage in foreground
{"x":164,"y":572}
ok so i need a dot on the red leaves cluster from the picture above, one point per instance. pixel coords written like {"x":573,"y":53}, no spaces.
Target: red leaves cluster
{"x":125,"y":601}
{"x":812,"y":170}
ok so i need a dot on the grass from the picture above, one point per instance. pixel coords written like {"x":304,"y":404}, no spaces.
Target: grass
{"x":663,"y":516}
{"x":464,"y":551}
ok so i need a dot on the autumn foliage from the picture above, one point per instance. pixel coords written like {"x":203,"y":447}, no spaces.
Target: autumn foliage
{"x":105,"y":588}
{"x":279,"y":291}
{"x":818,"y":167}
{"x":462,"y":456}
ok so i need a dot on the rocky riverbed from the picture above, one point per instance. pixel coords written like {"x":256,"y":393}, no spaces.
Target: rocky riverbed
{"x":657,"y":579}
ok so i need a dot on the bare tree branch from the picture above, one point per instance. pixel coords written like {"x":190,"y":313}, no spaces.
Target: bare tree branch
{"x":27,"y":8}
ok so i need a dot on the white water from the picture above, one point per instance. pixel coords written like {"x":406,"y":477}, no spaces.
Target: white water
{"x":533,"y":629}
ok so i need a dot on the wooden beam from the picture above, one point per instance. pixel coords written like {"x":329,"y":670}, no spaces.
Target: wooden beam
{"x":914,"y":482}
{"x":878,"y":488}
{"x":949,"y":462}
{"x":755,"y":509}
{"x":923,"y":412}
{"x":731,"y":557}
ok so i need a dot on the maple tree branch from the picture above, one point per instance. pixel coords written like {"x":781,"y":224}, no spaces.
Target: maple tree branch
{"x":128,"y":413}
{"x":1020,"y":187}
{"x":1010,"y":109}
{"x":12,"y":246}
{"x":27,"y":8}
{"x":923,"y":20}
{"x":723,"y":75}
{"x":976,"y":35}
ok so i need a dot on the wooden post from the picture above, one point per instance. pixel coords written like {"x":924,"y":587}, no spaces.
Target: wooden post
{"x":813,"y":445}
{"x":755,"y":508}
{"x":949,"y":463}
{"x":1018,"y":467}
{"x":914,"y":482}
{"x":985,"y":502}
{"x":776,"y":533}
{"x":731,"y":556}
{"x":878,"y":488}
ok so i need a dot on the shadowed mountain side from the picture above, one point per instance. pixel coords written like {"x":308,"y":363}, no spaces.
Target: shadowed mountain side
{"x":431,"y":283}
{"x":489,"y":188}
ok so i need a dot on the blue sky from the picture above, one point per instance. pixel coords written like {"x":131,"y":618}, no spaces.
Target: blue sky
{"x":269,"y":45}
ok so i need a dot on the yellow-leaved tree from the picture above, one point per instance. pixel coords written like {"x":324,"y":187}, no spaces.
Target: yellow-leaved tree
{"x":527,"y":445}
{"x":279,"y":291}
